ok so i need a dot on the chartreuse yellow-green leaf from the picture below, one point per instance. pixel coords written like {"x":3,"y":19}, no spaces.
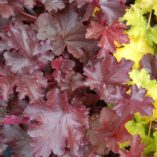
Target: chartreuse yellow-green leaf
{"x":134,"y":18}
{"x":142,"y":79}
{"x":134,"y":51}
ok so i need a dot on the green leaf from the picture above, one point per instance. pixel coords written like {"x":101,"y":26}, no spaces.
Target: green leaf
{"x":152,"y":35}
{"x":145,"y":5}
{"x":137,"y":126}
{"x":142,"y":79}
{"x":140,"y":126}
{"x":134,"y":18}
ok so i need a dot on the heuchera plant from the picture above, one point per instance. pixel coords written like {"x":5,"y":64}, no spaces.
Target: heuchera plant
{"x":75,"y":80}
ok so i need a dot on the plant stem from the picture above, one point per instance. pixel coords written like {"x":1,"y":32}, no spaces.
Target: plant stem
{"x":150,"y":15}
